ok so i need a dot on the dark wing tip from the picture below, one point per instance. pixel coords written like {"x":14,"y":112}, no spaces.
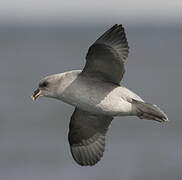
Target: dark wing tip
{"x":116,"y":38}
{"x":89,"y":152}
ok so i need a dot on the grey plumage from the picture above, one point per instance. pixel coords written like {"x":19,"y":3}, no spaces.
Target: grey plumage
{"x":87,"y":136}
{"x":106,"y":57}
{"x":97,"y":96}
{"x":149,"y":111}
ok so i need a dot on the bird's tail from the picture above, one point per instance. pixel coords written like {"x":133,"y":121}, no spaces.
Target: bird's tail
{"x":149,"y":111}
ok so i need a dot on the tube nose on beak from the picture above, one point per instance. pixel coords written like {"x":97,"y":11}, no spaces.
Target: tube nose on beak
{"x":36,"y":94}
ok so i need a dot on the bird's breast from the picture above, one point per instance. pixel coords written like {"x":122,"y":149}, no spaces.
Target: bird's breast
{"x":97,"y":97}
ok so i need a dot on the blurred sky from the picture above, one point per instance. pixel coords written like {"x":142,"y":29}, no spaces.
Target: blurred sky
{"x":74,"y":11}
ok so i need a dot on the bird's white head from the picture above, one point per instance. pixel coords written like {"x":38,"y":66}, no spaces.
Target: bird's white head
{"x":48,"y":87}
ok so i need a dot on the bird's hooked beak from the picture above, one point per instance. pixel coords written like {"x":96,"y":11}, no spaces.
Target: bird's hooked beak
{"x":36,"y":94}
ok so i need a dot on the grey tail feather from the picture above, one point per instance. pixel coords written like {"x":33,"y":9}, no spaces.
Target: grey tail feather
{"x":149,"y":111}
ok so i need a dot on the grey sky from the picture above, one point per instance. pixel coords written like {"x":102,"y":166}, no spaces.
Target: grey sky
{"x":33,"y":135}
{"x":33,"y":11}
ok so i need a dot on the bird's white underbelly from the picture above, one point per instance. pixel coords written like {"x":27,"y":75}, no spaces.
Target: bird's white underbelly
{"x":100,"y":99}
{"x":106,"y":106}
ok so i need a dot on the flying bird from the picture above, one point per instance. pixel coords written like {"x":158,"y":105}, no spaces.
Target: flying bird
{"x":97,"y":96}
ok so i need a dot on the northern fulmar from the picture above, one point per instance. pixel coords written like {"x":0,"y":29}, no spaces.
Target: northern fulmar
{"x":97,"y":96}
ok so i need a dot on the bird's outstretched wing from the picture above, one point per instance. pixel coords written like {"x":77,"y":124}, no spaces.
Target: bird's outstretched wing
{"x":87,"y":136}
{"x":105,"y":58}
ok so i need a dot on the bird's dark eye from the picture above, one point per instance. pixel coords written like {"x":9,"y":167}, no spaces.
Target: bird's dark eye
{"x":43,"y":84}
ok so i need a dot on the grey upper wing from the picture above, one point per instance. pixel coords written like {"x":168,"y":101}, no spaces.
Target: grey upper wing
{"x":105,"y":58}
{"x":87,"y":136}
